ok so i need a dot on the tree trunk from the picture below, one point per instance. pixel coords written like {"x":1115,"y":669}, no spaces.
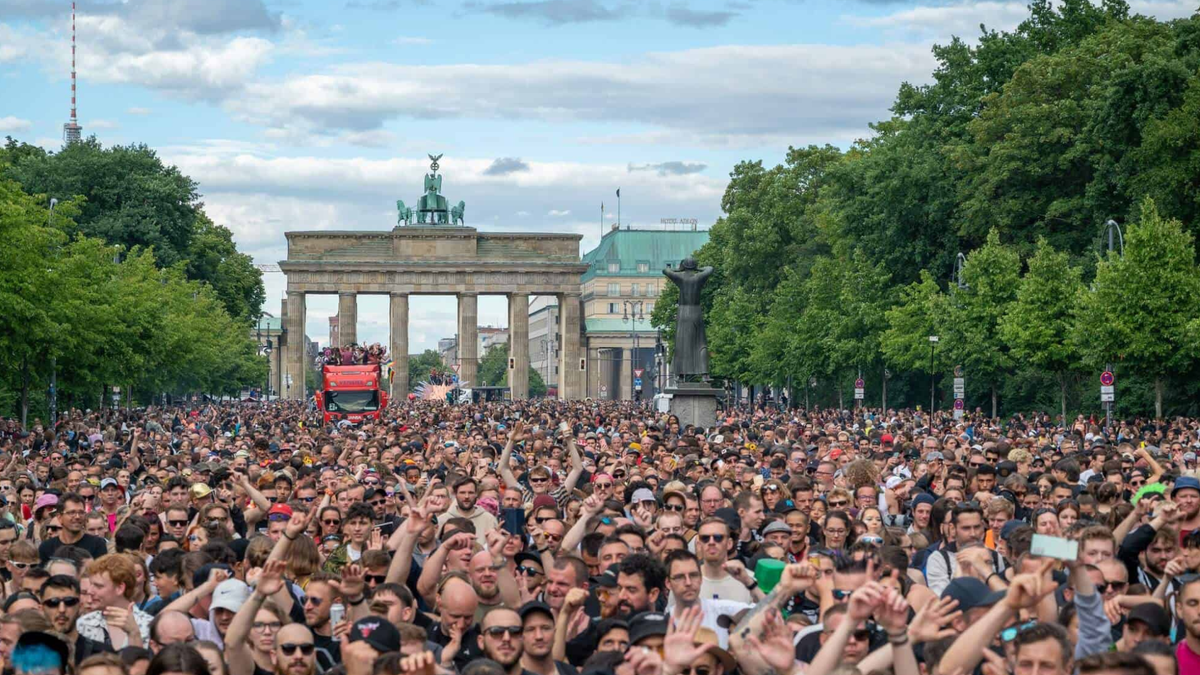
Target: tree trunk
{"x":841,"y":402}
{"x":883,"y":401}
{"x":1158,"y":395}
{"x":995,"y":396}
{"x":1062,"y":395}
{"x":24,"y":393}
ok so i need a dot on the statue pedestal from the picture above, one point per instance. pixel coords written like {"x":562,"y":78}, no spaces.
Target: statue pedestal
{"x":694,"y":403}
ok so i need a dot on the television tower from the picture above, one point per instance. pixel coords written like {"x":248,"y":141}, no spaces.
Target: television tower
{"x":72,"y":132}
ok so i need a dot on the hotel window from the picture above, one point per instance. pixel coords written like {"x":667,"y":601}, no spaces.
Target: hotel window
{"x":612,"y":308}
{"x":643,"y":267}
{"x":614,"y":266}
{"x":636,"y":290}
{"x":614,"y":289}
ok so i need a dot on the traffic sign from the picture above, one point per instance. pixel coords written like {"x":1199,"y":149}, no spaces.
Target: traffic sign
{"x":637,"y":372}
{"x":1106,"y":390}
{"x":958,"y":371}
{"x":1107,"y":398}
{"x":859,"y":393}
{"x":958,"y":404}
{"x":456,"y":367}
{"x":859,"y":384}
{"x":637,"y":382}
{"x":1107,"y":378}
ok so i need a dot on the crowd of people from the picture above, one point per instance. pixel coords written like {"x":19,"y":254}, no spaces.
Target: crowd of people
{"x":352,"y":355}
{"x":604,"y":538}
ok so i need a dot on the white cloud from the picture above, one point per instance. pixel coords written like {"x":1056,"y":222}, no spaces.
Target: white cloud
{"x":555,"y":213}
{"x":962,"y":19}
{"x":803,"y":92}
{"x":102,"y":124}
{"x":139,"y":111}
{"x":14,"y":124}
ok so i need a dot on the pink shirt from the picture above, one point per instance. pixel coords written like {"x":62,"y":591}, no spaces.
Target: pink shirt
{"x":1189,"y":661}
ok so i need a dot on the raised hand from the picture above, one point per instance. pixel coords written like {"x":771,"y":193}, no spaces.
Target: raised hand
{"x":452,"y":647}
{"x":892,"y":613}
{"x":864,"y":601}
{"x":352,"y":583}
{"x":933,"y":621}
{"x":799,"y":577}
{"x":1027,"y":590}
{"x":299,"y":522}
{"x":644,"y":661}
{"x":270,"y":580}
{"x":775,"y":646}
{"x":679,"y":647}
{"x":422,"y":663}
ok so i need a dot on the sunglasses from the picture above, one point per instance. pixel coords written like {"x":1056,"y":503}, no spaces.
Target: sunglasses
{"x":22,"y":565}
{"x":1009,"y":634}
{"x":538,"y":481}
{"x":673,"y":507}
{"x":54,"y":528}
{"x":177,"y":523}
{"x":700,"y":670}
{"x":528,"y":571}
{"x":308,"y":500}
{"x":55,"y":603}
{"x":289,"y":648}
{"x":771,"y":488}
{"x":542,"y":519}
{"x":312,"y":600}
{"x":499,"y":631}
{"x":331,"y":522}
{"x":838,"y":504}
{"x":1112,"y":585}
{"x":603,"y":486}
{"x":279,"y":518}
{"x":706,"y":538}
{"x":839,"y":594}
{"x":375,"y":578}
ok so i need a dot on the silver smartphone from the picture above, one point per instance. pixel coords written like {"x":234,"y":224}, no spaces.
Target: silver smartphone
{"x":1054,"y":547}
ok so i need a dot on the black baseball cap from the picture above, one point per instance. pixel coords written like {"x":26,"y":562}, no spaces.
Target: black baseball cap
{"x":971,"y":593}
{"x":377,"y":632}
{"x":533,"y":607}
{"x":646,"y":624}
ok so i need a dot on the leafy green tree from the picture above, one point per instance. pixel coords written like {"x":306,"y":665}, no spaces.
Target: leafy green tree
{"x":918,"y":314}
{"x":972,"y":327}
{"x":421,"y":365}
{"x":1142,"y":308}
{"x":1037,"y":327}
{"x":493,"y":371}
{"x":212,"y":257}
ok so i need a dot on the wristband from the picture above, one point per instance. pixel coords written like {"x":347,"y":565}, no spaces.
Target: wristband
{"x":752,"y":585}
{"x":285,"y":536}
{"x":995,"y":574}
{"x":357,"y":602}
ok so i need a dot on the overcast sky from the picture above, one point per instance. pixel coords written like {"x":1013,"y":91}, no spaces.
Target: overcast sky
{"x":302,"y":115}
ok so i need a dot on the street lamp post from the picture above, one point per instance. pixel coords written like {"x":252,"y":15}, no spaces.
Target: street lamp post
{"x":1110,"y":228}
{"x":53,"y":358}
{"x":933,"y":340}
{"x":633,"y":311}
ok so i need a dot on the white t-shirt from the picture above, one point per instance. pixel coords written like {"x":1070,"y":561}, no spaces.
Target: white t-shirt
{"x":726,"y":588}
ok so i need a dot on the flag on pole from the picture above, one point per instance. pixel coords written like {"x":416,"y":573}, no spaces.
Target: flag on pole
{"x":618,"y":193}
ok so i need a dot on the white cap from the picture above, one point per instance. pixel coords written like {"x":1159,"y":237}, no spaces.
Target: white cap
{"x":230,"y":594}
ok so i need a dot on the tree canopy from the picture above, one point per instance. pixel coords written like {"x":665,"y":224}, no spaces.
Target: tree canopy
{"x":1021,"y":147}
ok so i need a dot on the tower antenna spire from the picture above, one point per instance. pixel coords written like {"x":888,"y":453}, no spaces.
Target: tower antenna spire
{"x":72,"y":132}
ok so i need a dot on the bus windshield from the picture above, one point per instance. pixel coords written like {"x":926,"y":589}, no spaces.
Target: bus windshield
{"x":352,"y":401}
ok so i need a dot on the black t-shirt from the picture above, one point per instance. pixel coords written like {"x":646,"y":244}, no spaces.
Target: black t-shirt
{"x":329,"y":652}
{"x":469,"y":649}
{"x":92,"y":544}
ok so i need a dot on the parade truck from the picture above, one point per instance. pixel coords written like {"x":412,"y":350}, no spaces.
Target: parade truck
{"x":352,"y":393}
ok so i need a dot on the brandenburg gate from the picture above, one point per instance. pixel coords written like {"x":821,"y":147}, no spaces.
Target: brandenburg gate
{"x":431,"y":252}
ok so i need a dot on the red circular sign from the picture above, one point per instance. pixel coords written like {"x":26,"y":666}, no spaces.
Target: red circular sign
{"x":1107,"y":378}
{"x":859,"y":384}
{"x":958,"y":404}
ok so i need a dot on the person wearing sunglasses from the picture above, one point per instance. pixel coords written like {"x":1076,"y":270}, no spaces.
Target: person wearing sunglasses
{"x":61,"y":605}
{"x":501,"y":637}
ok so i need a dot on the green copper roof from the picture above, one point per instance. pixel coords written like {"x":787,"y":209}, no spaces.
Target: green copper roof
{"x":630,"y":247}
{"x":617,"y":326}
{"x":270,"y":323}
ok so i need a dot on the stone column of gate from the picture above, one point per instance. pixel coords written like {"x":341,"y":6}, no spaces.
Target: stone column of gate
{"x":518,"y":345}
{"x":468,"y":339}
{"x":399,"y":346}
{"x":570,"y":377}
{"x":294,"y":361}
{"x":347,"y":318}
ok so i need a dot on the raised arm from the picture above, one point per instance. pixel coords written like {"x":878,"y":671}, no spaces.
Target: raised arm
{"x":862,"y":603}
{"x":185,"y":602}
{"x":431,"y":574}
{"x":505,"y":581}
{"x":592,"y":506}
{"x":518,"y":431}
{"x":237,"y":648}
{"x":576,"y":464}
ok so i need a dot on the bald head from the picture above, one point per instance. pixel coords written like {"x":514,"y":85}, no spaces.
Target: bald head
{"x":171,"y":627}
{"x":457,"y":604}
{"x":295,"y":633}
